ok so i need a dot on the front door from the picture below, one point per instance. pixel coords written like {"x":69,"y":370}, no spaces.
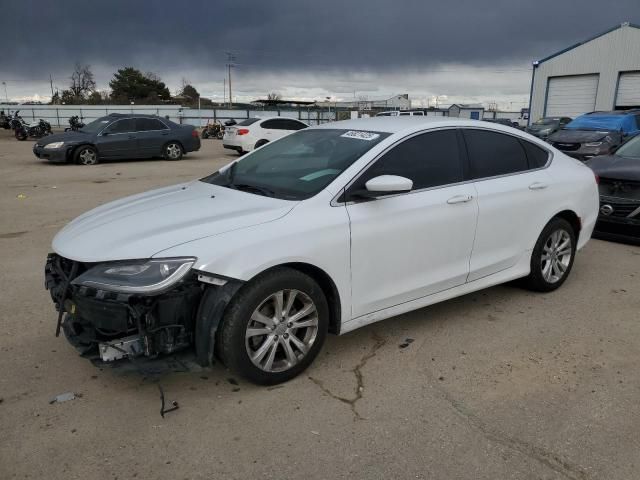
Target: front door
{"x":410,"y":245}
{"x":118,"y":140}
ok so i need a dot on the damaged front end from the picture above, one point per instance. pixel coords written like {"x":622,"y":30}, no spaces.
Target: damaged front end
{"x":135,"y":309}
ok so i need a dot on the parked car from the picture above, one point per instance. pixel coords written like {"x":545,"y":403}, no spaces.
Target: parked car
{"x":619,"y":174}
{"x":596,"y":133}
{"x":252,"y":133}
{"x":326,"y":230}
{"x":120,"y":136}
{"x":401,"y":113}
{"x":502,"y":121}
{"x":545,"y":126}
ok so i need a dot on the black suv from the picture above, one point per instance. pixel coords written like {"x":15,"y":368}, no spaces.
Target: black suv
{"x":120,"y":136}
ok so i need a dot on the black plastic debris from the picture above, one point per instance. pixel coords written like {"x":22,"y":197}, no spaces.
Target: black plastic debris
{"x":163,"y":410}
{"x":406,"y":343}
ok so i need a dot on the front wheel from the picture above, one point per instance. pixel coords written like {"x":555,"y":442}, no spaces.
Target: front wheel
{"x":21,"y":135}
{"x":275,"y":326}
{"x":172,"y":151}
{"x":86,"y":155}
{"x":205,"y":134}
{"x":552,"y":256}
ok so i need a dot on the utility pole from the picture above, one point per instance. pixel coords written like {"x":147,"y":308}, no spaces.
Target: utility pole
{"x":230,"y":59}
{"x":51,"y":83}
{"x":224,"y":86}
{"x":5,"y":91}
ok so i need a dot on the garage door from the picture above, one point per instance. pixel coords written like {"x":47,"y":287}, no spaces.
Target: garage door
{"x":571,"y":96}
{"x":628,"y":90}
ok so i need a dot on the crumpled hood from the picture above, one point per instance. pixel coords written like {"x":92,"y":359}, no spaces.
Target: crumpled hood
{"x":67,"y":137}
{"x":142,"y":225}
{"x":615,"y":167}
{"x":578,"y":136}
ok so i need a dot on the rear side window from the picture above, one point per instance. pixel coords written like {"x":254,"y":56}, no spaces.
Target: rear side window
{"x":430,"y":159}
{"x":146,"y":124}
{"x":275,"y":124}
{"x":493,"y":153}
{"x":293,"y":125}
{"x":537,"y":156}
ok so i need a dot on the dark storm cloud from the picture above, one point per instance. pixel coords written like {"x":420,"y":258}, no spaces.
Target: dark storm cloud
{"x":296,"y":35}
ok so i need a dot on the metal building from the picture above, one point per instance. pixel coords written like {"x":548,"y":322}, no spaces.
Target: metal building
{"x":601,"y":73}
{"x":474,"y":112}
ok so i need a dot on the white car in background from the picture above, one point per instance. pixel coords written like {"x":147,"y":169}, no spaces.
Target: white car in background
{"x":326,"y":230}
{"x":252,"y":133}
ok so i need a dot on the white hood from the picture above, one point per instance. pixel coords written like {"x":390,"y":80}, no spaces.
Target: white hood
{"x":143,"y":225}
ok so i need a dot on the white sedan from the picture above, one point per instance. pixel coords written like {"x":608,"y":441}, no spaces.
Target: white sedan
{"x":326,"y":230}
{"x":252,"y":133}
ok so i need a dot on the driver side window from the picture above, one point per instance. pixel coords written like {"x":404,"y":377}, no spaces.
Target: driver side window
{"x":430,"y":160}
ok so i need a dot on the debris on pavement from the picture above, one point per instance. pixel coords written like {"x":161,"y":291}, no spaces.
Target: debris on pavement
{"x":406,"y":343}
{"x":63,"y":397}
{"x":174,"y":404}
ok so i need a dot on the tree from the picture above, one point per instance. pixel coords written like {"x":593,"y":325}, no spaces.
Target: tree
{"x":82,"y":81}
{"x":95,"y":98}
{"x":67,"y":97}
{"x":189,"y":91}
{"x":273,"y":96}
{"x":130,"y":84}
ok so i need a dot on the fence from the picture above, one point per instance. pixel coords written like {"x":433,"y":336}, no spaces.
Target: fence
{"x":58,"y":115}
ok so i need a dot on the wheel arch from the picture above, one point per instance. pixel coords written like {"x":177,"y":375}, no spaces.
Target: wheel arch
{"x":173,"y":141}
{"x":73,"y":149}
{"x":573,"y":219}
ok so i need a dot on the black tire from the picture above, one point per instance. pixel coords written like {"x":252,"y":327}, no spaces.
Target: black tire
{"x":86,"y":155}
{"x":21,"y":135}
{"x":260,"y":143}
{"x":172,"y":151}
{"x":232,"y":346}
{"x":205,"y":134}
{"x":544,"y":254}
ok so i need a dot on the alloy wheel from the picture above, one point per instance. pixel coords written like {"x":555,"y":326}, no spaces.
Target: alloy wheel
{"x":281,"y":330}
{"x":556,"y":256}
{"x":173,"y":151}
{"x":88,"y":156}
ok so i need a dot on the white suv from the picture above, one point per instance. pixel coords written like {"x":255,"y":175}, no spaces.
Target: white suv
{"x":255,"y":132}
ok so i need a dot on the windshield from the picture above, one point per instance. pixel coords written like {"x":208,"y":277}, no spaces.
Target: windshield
{"x":599,"y":122}
{"x":299,"y":165}
{"x":547,"y":121}
{"x":96,"y":125}
{"x":631,"y":149}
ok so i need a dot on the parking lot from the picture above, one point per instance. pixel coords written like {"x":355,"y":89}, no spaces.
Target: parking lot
{"x":499,"y":384}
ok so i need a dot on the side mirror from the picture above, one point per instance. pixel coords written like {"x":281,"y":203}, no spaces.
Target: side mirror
{"x":104,"y":134}
{"x":384,"y":185}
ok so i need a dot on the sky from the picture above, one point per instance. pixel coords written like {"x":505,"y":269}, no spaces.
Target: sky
{"x":454,"y":51}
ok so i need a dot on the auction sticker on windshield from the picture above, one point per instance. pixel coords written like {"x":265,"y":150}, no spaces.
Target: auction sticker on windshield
{"x":360,"y":135}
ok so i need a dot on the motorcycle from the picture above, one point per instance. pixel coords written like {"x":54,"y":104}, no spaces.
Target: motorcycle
{"x":23,"y":130}
{"x":213,"y":130}
{"x":75,"y":124}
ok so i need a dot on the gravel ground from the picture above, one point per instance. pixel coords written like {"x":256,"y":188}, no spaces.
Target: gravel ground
{"x":499,"y":384}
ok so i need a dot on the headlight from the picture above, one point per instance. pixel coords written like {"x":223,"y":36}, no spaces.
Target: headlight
{"x":150,"y":277}
{"x":545,"y":131}
{"x":54,"y":145}
{"x":593,"y":144}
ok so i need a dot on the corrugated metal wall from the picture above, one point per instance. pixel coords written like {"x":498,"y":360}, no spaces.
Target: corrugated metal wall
{"x":609,"y":55}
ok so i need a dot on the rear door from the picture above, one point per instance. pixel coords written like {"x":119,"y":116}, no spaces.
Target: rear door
{"x":152,"y":135}
{"x":510,"y":180}
{"x":118,"y":140}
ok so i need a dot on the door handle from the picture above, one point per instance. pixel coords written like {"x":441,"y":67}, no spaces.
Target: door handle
{"x":538,"y":186}
{"x":459,"y":199}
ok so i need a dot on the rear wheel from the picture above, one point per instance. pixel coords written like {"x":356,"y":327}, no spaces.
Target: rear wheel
{"x":260,"y":143}
{"x":552,"y":256}
{"x":274,"y":327}
{"x":205,"y":134}
{"x":21,"y":134}
{"x":86,"y":155}
{"x":172,"y":151}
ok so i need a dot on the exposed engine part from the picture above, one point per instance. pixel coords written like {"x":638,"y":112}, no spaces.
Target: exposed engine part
{"x":121,"y":348}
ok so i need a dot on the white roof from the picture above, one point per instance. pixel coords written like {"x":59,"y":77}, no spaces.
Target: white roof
{"x":401,"y":123}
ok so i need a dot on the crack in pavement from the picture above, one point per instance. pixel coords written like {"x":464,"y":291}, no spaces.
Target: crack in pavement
{"x":357,"y":371}
{"x":552,"y":460}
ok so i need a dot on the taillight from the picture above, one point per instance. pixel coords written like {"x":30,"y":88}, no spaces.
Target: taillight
{"x":242,"y":131}
{"x":194,"y":134}
{"x":597,"y":178}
